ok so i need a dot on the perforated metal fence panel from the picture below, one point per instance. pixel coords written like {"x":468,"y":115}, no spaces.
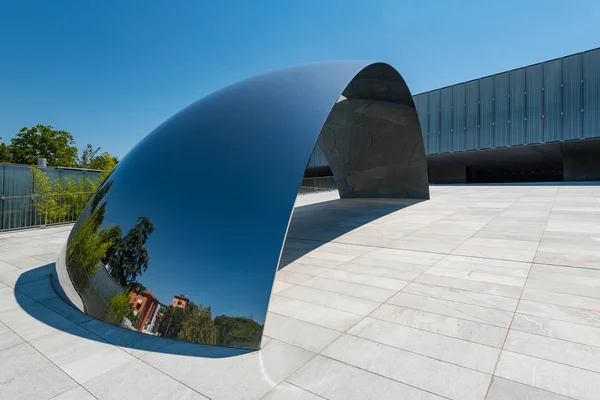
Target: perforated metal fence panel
{"x":572,"y":90}
{"x":434,"y":123}
{"x":16,"y":186}
{"x":16,"y":200}
{"x":591,"y":94}
{"x":422,"y":105}
{"x":501,"y":110}
{"x":446,"y":115}
{"x":534,"y":76}
{"x":552,"y":101}
{"x":517,"y":107}
{"x":472,"y":115}
{"x":486,"y":107}
{"x":458,"y":118}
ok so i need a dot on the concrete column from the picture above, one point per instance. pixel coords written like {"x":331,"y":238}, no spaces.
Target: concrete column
{"x":581,"y":168}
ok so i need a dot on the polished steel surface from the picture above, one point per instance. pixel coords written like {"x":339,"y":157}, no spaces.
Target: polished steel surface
{"x":191,"y":254}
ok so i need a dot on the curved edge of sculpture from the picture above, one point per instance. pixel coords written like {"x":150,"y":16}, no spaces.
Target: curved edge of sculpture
{"x":184,"y":238}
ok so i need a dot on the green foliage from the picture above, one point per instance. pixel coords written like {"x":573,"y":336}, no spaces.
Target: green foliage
{"x":41,"y":141}
{"x":198,"y":327}
{"x":120,"y":305}
{"x":60,"y":201}
{"x":237,"y":331}
{"x":57,"y":147}
{"x":172,"y":321}
{"x":89,"y":245}
{"x":195,"y":324}
{"x":88,"y":154}
{"x":106,"y":163}
{"x":47,"y":197}
{"x":128,"y":257}
{"x":5,"y":156}
{"x":64,"y":200}
{"x":91,"y":158}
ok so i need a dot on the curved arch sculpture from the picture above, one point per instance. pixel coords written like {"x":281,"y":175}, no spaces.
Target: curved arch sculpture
{"x":183,"y":239}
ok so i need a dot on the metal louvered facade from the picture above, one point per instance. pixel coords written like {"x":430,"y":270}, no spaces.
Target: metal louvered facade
{"x":539,"y":122}
{"x":553,"y":101}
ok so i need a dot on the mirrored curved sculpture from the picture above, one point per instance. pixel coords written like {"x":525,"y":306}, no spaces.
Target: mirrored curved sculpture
{"x":183,"y":239}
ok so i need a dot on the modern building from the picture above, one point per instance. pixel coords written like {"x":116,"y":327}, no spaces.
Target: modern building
{"x":145,"y":305}
{"x":535,"y":123}
{"x":180,"y":301}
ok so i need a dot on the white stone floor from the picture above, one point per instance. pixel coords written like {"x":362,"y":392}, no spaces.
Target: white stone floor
{"x":482,"y":292}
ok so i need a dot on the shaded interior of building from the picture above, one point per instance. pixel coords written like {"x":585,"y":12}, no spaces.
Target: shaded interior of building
{"x":571,"y":161}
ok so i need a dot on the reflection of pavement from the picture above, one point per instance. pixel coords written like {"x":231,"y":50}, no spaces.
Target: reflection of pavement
{"x":374,"y":298}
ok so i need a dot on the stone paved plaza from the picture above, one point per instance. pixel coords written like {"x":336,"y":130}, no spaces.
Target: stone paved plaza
{"x":482,"y":292}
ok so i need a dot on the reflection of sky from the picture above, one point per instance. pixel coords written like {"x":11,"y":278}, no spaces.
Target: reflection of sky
{"x":201,"y":264}
{"x":219,"y":180}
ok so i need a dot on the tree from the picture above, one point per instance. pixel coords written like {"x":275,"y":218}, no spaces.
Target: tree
{"x":172,"y":321}
{"x":120,"y":306}
{"x":5,"y":156}
{"x":89,"y":244}
{"x":238,"y":331}
{"x":47,"y":197}
{"x":88,"y":154}
{"x":60,"y":200}
{"x":106,"y":163}
{"x":41,"y":141}
{"x":198,"y":327}
{"x":91,"y":159}
{"x":127,"y":256}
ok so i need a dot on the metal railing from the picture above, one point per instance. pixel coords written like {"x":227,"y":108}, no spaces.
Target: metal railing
{"x":21,"y":212}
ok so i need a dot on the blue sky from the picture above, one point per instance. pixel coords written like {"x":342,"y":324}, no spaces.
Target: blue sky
{"x":110,"y":72}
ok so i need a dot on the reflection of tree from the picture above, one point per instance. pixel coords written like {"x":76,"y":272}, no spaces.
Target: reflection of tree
{"x":127,"y":256}
{"x":171,"y":323}
{"x":193,"y":324}
{"x":238,"y":331}
{"x":120,"y":306}
{"x":89,"y":244}
{"x":198,"y":327}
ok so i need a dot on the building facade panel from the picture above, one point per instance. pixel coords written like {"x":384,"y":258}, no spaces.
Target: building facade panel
{"x":591,"y":94}
{"x":422,"y":105}
{"x":486,"y":107}
{"x":534,"y":80}
{"x":572,"y":81}
{"x":458,"y":118}
{"x":446,"y":115}
{"x":434,"y":122}
{"x":552,"y":101}
{"x":501,"y":110}
{"x":472,"y":115}
{"x":518,"y":115}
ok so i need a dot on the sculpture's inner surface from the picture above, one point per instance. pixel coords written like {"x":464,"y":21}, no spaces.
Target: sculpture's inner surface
{"x":187,"y":248}
{"x":367,"y":155}
{"x":372,"y":139}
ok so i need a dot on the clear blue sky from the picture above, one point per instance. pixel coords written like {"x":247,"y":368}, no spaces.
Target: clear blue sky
{"x":110,"y":71}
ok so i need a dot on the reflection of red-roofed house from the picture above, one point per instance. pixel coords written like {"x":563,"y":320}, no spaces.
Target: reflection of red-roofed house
{"x":144,"y":305}
{"x":180,"y":301}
